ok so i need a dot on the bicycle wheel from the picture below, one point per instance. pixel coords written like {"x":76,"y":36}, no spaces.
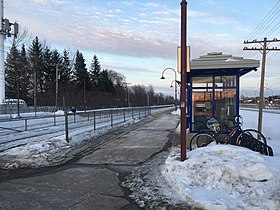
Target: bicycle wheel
{"x":201,"y":140}
{"x":253,"y":134}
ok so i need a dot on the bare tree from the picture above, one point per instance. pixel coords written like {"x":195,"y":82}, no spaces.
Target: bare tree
{"x":23,"y":37}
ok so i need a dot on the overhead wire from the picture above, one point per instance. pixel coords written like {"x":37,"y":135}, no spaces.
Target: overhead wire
{"x":269,"y":25}
{"x":274,"y":10}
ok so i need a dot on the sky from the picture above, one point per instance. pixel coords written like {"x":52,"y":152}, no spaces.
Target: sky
{"x":139,"y":38}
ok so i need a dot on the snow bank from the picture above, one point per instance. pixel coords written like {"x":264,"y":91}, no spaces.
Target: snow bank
{"x":224,"y":177}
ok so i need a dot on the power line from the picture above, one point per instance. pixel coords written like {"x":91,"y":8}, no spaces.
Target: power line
{"x":269,"y":22}
{"x":268,"y":25}
{"x":275,"y":9}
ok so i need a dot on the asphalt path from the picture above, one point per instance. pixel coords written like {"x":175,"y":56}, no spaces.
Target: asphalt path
{"x":93,"y":180}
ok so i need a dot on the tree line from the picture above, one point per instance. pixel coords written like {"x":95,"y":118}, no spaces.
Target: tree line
{"x":45,"y":77}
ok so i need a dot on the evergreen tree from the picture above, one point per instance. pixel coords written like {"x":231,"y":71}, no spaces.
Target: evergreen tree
{"x":106,"y":84}
{"x":81,"y":75}
{"x":47,"y":69}
{"x":95,"y":70}
{"x":12,"y":73}
{"x":26,"y":79}
{"x":36,"y":61}
{"x":65,"y":70}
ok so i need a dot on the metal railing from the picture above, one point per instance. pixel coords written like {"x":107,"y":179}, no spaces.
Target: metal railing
{"x":68,"y":122}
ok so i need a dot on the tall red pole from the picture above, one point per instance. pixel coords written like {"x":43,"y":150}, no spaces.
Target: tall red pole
{"x":183,"y":78}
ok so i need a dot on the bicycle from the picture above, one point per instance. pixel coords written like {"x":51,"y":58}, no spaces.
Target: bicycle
{"x":249,"y":138}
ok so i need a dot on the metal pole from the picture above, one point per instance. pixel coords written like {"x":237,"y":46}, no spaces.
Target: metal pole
{"x":132,"y":113}
{"x":2,"y":69}
{"x":124,"y":114}
{"x":56,"y":86}
{"x":176,"y":92}
{"x":261,"y":99}
{"x":183,"y":78}
{"x":35,"y":92}
{"x":85,"y":98}
{"x":25,"y":120}
{"x":66,"y":121}
{"x":17,"y":81}
{"x":66,"y":126}
{"x":112,"y":124}
{"x":94,"y":120}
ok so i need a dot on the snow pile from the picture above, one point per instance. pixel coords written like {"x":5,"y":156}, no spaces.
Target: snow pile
{"x":59,"y":112}
{"x":36,"y":154}
{"x":225,"y":177}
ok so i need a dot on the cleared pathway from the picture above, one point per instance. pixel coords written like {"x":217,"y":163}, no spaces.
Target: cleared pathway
{"x":92,"y":182}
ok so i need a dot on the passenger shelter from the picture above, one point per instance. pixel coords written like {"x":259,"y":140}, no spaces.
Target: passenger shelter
{"x":214,"y":88}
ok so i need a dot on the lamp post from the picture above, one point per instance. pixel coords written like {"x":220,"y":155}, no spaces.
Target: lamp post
{"x":162,"y":77}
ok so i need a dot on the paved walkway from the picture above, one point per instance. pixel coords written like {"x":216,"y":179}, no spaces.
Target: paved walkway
{"x":92,"y":182}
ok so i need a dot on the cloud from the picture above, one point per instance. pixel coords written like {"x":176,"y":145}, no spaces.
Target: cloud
{"x":90,"y":26}
{"x":165,"y":12}
{"x":192,"y":13}
{"x":219,"y":20}
{"x":150,"y":4}
{"x":48,"y":1}
{"x":142,"y":14}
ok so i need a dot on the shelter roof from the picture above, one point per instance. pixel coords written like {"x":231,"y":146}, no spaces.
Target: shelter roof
{"x":222,"y":64}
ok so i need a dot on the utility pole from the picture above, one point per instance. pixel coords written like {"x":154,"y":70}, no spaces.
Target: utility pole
{"x":35,"y":91}
{"x":264,"y":50}
{"x":57,"y":77}
{"x":56,"y":86}
{"x":5,"y":29}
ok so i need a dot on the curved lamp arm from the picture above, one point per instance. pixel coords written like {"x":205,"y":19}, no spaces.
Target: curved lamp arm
{"x":162,"y":77}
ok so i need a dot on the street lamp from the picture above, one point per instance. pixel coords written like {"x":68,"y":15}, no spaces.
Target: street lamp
{"x":178,"y":82}
{"x":162,"y":77}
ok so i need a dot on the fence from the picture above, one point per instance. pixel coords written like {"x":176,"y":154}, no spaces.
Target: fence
{"x":61,"y":123}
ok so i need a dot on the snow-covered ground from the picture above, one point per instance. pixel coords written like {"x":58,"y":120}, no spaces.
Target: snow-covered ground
{"x":48,"y":146}
{"x":213,"y":177}
{"x":229,"y":177}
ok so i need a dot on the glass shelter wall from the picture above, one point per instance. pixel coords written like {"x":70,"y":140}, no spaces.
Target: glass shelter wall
{"x":213,"y":96}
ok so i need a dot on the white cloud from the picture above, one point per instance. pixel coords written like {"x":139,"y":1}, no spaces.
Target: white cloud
{"x":142,"y":14}
{"x":118,"y":11}
{"x":165,"y":12}
{"x":150,"y":4}
{"x":192,"y":13}
{"x":48,"y":1}
{"x":219,"y":20}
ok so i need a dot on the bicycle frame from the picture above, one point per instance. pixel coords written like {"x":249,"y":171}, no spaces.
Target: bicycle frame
{"x":231,"y":137}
